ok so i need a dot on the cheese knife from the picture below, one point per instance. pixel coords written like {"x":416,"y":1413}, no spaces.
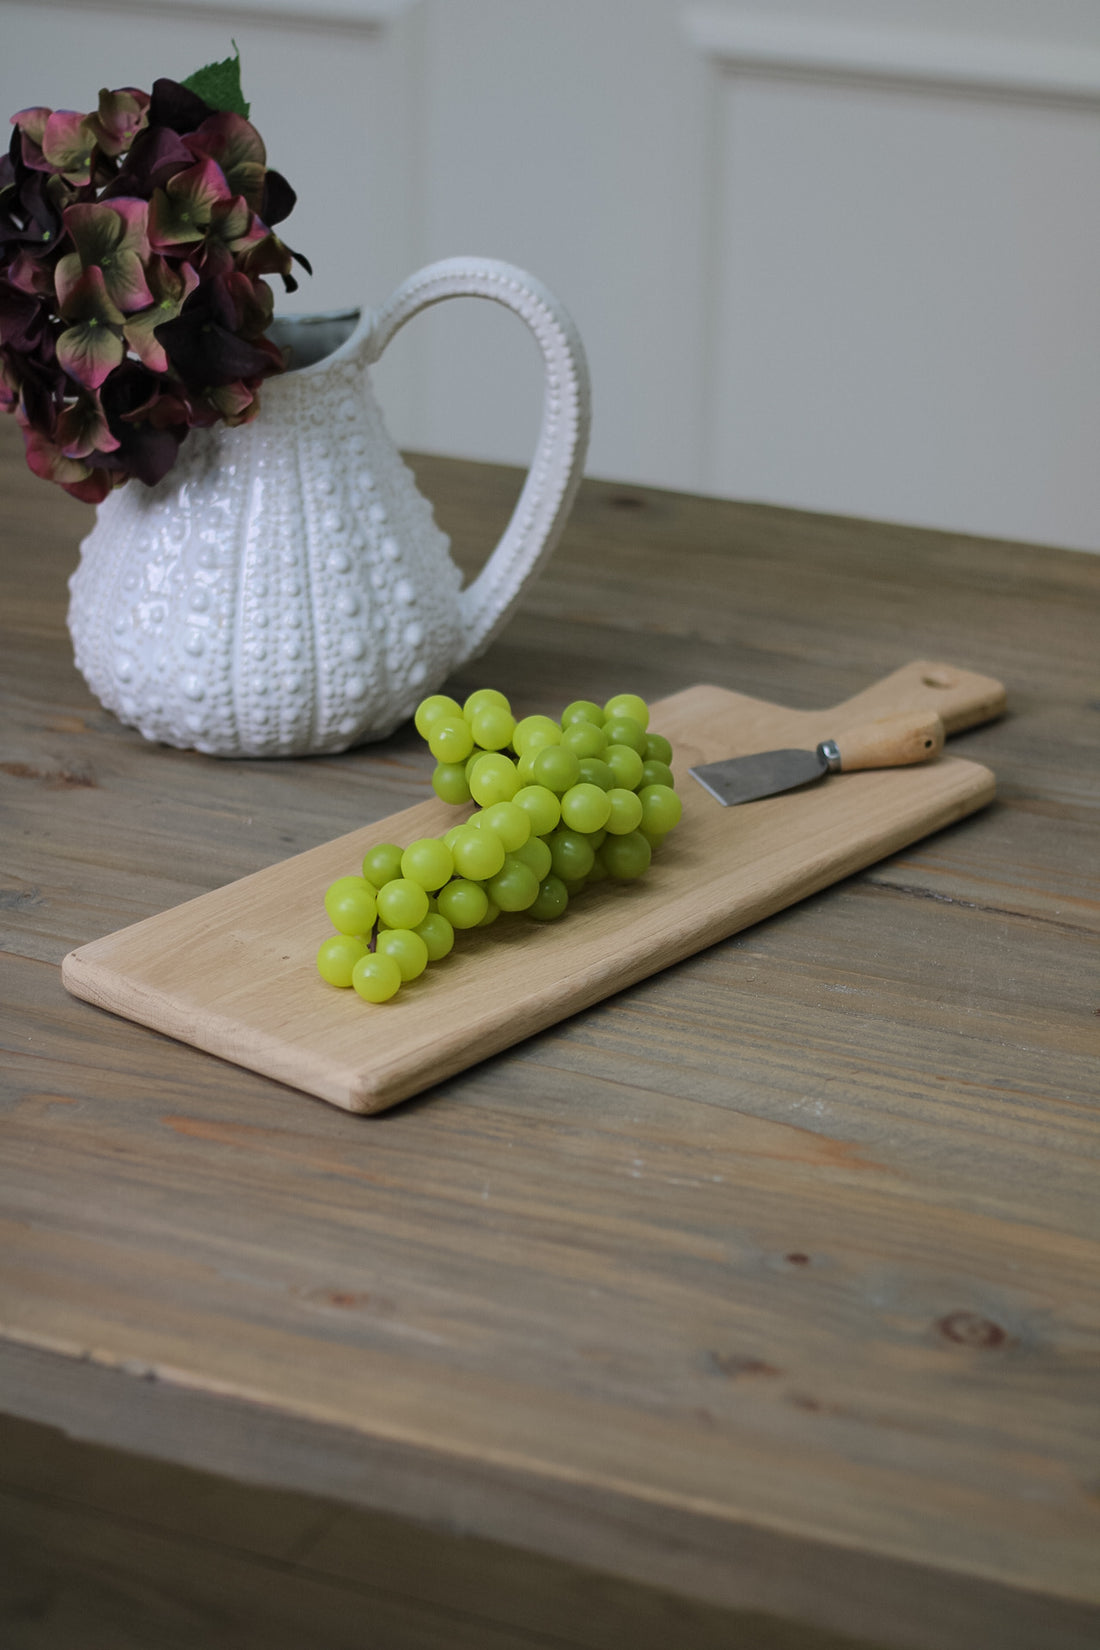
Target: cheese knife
{"x":888,"y":742}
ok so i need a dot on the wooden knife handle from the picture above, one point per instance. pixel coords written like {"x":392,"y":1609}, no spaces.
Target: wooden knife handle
{"x":891,"y":741}
{"x":961,"y":698}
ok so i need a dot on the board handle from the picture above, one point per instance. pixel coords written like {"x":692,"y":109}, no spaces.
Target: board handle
{"x":961,"y":698}
{"x":890,"y":741}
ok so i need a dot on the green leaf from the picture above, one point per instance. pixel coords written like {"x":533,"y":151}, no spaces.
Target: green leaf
{"x":219,"y":84}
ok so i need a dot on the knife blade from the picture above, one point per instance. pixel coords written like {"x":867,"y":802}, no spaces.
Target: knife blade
{"x":888,"y":742}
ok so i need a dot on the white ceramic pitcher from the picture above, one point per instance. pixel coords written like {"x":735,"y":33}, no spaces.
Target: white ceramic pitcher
{"x":285,"y":590}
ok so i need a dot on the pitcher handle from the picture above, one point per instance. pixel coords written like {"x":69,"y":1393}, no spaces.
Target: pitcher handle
{"x":554,"y":476}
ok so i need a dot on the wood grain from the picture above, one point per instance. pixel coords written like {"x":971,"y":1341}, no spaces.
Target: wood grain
{"x":233,"y":972}
{"x":772,"y":1282}
{"x":892,"y":741}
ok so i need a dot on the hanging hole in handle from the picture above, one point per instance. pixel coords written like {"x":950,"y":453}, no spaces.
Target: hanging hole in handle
{"x":938,"y":679}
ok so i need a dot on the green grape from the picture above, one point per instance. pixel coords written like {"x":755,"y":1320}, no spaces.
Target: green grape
{"x":628,"y":704}
{"x":551,"y":900}
{"x":585,"y":808}
{"x":556,"y":767}
{"x":595,"y":771}
{"x":428,"y":862}
{"x":657,"y":773}
{"x":515,"y":886}
{"x":481,"y":697}
{"x":350,"y":904}
{"x":582,"y":710}
{"x":402,"y":904}
{"x":541,"y":806}
{"x":535,"y":853}
{"x":571,"y":854}
{"x":626,"y":857}
{"x":494,"y":779}
{"x":585,"y":799}
{"x":382,"y":863}
{"x":626,"y":811}
{"x":376,"y":977}
{"x":584,"y":739}
{"x":661,"y":808}
{"x":450,"y":739}
{"x":535,"y":732}
{"x":463,"y":903}
{"x":492,"y":727}
{"x":511,"y":824}
{"x":337,"y":957}
{"x":431,"y":709}
{"x":478,"y":853}
{"x":438,"y":935}
{"x":626,"y":765}
{"x":625,"y":730}
{"x":449,"y":782}
{"x":408,"y":950}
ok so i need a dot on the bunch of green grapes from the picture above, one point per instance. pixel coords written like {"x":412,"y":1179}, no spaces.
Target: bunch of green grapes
{"x":558,"y":806}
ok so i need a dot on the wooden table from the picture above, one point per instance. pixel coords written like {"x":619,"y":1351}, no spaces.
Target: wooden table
{"x":757,"y":1306}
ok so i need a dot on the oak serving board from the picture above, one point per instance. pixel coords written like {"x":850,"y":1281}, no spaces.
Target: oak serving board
{"x":232,"y":971}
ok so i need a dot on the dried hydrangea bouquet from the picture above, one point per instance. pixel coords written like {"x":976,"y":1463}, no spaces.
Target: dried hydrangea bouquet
{"x":273,"y":584}
{"x":133,"y":246}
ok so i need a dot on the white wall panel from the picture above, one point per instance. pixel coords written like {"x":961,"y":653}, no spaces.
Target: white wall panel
{"x":567,"y":137}
{"x":909,"y":319}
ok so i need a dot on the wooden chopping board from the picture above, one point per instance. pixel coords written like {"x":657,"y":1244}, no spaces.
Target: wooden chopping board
{"x":233,"y":971}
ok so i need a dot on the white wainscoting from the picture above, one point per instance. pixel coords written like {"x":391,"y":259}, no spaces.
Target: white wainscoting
{"x":843,"y":254}
{"x":908,"y":281}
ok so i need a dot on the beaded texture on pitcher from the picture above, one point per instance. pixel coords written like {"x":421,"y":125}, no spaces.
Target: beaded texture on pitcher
{"x":286,"y":590}
{"x":294,"y":639}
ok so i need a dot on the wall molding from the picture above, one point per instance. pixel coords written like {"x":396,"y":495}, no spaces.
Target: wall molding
{"x":749,"y":42}
{"x":358,"y":16}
